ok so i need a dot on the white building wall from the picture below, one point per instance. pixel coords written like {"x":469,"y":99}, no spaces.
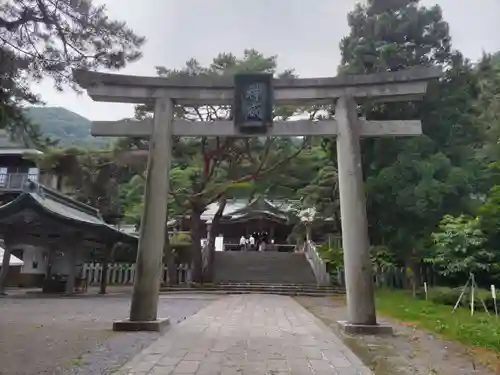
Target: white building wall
{"x":34,"y":258}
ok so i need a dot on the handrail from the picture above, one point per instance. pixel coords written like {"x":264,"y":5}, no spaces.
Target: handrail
{"x":317,"y":264}
{"x":204,"y":254}
{"x":16,"y":181}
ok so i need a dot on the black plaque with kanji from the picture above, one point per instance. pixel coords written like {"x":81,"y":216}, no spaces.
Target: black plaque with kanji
{"x":253,"y":102}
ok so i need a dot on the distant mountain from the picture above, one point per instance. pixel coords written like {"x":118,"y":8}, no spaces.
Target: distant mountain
{"x":68,"y":127}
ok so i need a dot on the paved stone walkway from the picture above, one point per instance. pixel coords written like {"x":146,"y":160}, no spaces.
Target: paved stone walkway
{"x":248,"y":335}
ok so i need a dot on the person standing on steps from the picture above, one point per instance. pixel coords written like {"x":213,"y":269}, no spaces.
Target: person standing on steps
{"x":243,"y":243}
{"x":251,"y":242}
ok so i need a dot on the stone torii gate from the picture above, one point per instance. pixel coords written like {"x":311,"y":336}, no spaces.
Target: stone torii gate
{"x":347,"y":127}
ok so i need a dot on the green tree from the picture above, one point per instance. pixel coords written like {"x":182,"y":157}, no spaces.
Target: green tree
{"x":50,"y":38}
{"x":488,"y":107}
{"x":392,"y":35}
{"x":91,"y":177}
{"x":45,"y":38}
{"x":322,"y":194}
{"x":14,"y":94}
{"x":489,"y":213}
{"x":131,"y":196}
{"x":459,"y":247}
{"x":288,"y":181}
{"x":412,"y":183}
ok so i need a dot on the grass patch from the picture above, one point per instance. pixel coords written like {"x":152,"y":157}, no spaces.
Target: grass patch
{"x":76,"y":362}
{"x":480,"y":330}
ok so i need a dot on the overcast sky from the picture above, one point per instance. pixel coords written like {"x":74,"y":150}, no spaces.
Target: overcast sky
{"x":304,"y":35}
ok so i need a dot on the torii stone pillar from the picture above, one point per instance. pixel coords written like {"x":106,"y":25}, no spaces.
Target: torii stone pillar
{"x":143,"y":310}
{"x":355,"y":241}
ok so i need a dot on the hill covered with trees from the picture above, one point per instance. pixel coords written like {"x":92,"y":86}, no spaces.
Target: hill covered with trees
{"x":61,"y":124}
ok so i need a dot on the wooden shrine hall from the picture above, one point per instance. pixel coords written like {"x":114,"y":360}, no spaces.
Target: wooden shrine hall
{"x":53,"y":235}
{"x":257,"y":216}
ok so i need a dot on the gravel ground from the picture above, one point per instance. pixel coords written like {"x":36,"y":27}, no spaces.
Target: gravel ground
{"x":408,"y":351}
{"x":68,"y":336}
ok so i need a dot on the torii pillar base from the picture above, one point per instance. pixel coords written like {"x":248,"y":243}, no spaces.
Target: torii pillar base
{"x":127,"y":325}
{"x":364,"y":329}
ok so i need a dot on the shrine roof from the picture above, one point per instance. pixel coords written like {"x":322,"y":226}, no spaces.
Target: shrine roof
{"x":47,"y":203}
{"x":280,"y":208}
{"x":242,"y":209}
{"x":16,"y":144}
{"x":259,"y":206}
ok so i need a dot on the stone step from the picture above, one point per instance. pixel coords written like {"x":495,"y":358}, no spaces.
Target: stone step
{"x":226,"y":292}
{"x":260,"y":289}
{"x":277,"y":285}
{"x":257,"y":286}
{"x":263,"y":280}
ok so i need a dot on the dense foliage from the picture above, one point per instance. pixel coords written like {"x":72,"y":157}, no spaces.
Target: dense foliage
{"x":413,"y":183}
{"x":44,"y":38}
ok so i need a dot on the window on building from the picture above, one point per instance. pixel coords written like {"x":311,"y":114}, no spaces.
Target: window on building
{"x":3,"y":176}
{"x":33,"y":174}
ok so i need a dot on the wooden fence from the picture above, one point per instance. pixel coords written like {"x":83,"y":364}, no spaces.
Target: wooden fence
{"x":124,"y":273}
{"x":391,"y":277}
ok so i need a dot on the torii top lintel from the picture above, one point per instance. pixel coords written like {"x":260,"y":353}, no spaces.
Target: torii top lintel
{"x":402,"y":85}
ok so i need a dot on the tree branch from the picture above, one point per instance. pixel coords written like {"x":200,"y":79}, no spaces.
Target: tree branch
{"x":254,"y":176}
{"x":28,"y":15}
{"x":176,"y":198}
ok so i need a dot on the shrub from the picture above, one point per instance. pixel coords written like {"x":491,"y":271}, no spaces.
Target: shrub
{"x":442,"y":295}
{"x":332,"y":256}
{"x":449,"y":296}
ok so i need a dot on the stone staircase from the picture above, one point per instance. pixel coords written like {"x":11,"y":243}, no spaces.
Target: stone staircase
{"x":265,"y":272}
{"x":288,"y":274}
{"x":263,"y":268}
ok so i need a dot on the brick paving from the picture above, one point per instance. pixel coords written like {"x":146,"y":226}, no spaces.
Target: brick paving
{"x":248,"y":334}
